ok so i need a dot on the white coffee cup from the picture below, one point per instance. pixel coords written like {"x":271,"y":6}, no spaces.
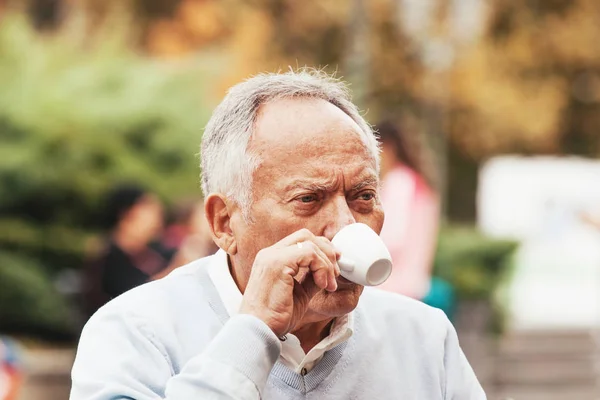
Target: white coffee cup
{"x":365,"y":259}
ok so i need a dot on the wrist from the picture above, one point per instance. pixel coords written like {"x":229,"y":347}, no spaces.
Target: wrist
{"x":268,"y":320}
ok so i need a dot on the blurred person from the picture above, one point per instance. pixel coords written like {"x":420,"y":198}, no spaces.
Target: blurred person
{"x":130,"y":256}
{"x":412,"y":209}
{"x":589,"y":216}
{"x":287,"y":162}
{"x":10,"y":371}
{"x":179,"y":225}
{"x":189,"y":232}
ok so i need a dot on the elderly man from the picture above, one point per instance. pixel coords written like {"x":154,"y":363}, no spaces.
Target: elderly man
{"x":287,"y":160}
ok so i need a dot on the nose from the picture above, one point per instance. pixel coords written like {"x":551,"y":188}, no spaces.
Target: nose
{"x":339,"y":216}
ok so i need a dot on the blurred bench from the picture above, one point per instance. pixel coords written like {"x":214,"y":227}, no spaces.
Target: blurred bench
{"x":47,"y":374}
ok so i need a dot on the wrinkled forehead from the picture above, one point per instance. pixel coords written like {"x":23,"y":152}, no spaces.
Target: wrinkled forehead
{"x":303,"y":124}
{"x":308,"y":137}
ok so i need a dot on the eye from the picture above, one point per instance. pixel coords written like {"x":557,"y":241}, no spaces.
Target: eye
{"x":307,"y":198}
{"x":366,"y":196}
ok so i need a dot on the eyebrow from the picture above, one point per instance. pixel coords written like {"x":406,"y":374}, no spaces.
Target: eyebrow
{"x":310,"y":185}
{"x":370,"y":181}
{"x":327,"y":185}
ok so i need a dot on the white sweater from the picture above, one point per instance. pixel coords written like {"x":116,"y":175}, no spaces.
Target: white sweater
{"x":172,"y":339}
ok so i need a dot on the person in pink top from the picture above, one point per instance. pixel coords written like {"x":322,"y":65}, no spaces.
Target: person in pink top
{"x":412,"y":210}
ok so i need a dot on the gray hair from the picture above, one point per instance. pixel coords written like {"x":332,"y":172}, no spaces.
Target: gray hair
{"x":227,"y":166}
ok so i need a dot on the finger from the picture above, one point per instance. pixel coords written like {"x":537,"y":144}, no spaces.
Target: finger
{"x":331,"y":270}
{"x":304,"y":235}
{"x":324,"y":279}
{"x":318,"y":263}
{"x":308,"y":255}
{"x":324,"y":248}
{"x":331,"y":280}
{"x":299,"y":236}
{"x":329,"y":273}
{"x":327,"y":247}
{"x":332,"y":253}
{"x":309,"y":286}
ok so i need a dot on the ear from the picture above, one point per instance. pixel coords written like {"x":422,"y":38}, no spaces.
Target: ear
{"x":218,"y":213}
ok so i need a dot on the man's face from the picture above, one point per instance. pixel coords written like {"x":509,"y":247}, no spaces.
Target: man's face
{"x":315,"y":173}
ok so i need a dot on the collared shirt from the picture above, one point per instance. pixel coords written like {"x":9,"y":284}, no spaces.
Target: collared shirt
{"x":172,"y":339}
{"x":292,"y":354}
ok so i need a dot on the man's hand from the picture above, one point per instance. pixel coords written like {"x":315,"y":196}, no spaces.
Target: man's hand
{"x":286,"y":276}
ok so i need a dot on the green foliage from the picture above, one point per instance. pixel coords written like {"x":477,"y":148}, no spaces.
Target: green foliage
{"x":477,"y":267}
{"x":78,"y":115}
{"x":471,"y":262}
{"x":29,"y":304}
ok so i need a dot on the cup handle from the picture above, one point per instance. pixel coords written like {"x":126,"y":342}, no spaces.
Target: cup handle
{"x":346,"y":265}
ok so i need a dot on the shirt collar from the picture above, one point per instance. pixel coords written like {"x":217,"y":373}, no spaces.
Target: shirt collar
{"x":292,"y":353}
{"x":218,"y":271}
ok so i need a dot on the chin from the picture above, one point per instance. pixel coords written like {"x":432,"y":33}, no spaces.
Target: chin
{"x":338,"y":303}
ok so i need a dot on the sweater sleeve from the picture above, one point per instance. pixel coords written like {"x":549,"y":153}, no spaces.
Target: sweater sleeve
{"x":460,"y":380}
{"x":119,"y":358}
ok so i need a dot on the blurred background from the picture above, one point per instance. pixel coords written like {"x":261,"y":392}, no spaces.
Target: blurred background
{"x":496,"y":102}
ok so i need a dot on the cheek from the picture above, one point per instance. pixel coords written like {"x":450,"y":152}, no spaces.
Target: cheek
{"x":378,"y":220}
{"x":374,"y":219}
{"x":273,"y":222}
{"x":252,"y":237}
